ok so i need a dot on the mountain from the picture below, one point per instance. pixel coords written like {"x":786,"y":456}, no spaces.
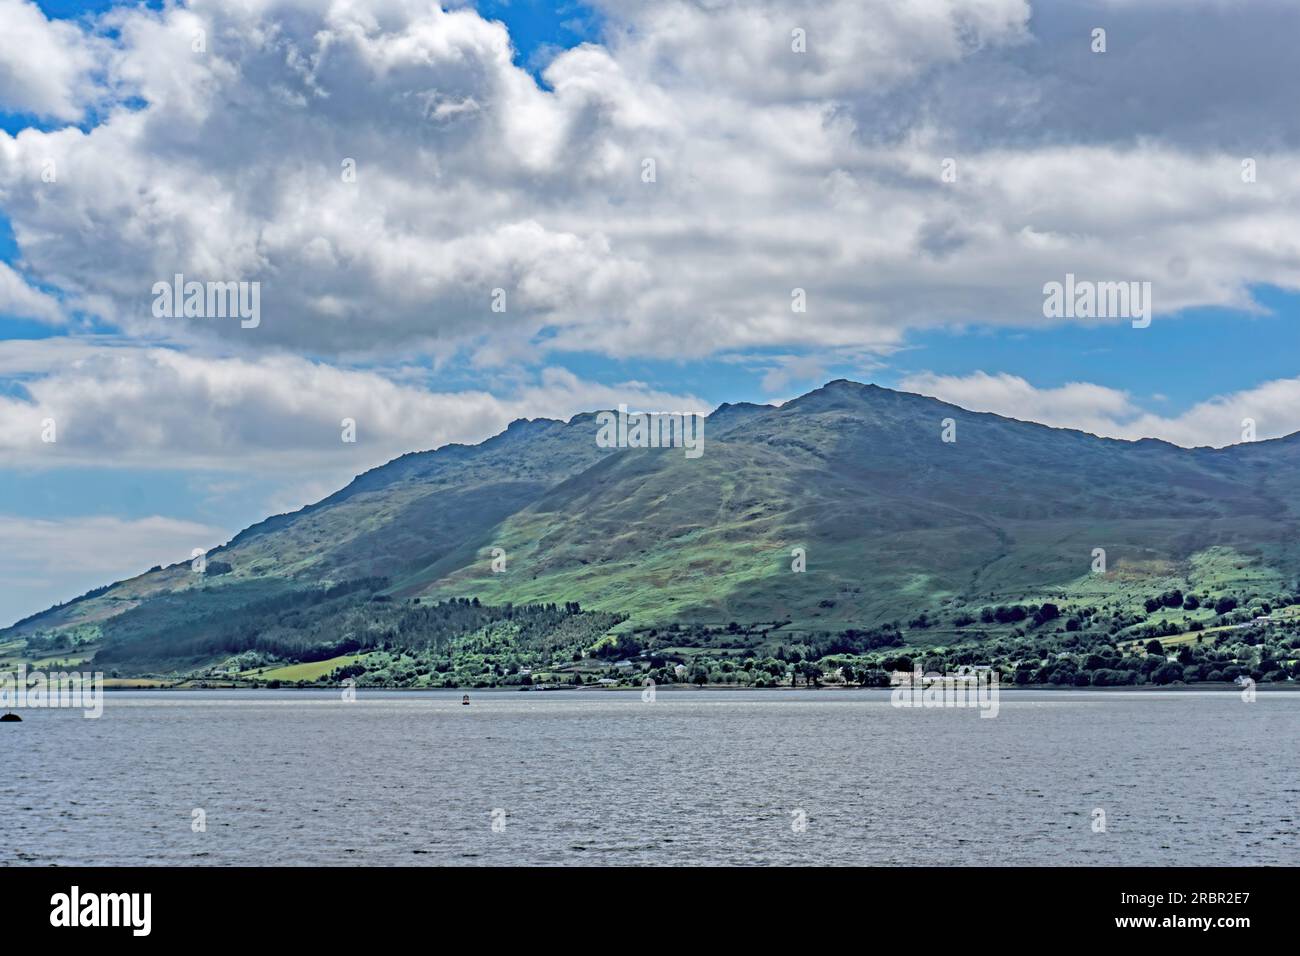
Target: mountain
{"x":894,"y":521}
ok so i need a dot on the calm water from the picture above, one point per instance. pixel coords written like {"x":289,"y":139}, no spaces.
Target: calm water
{"x":695,"y":777}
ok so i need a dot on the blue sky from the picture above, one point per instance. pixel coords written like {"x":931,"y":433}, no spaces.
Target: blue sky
{"x":774,"y":172}
{"x":536,"y":26}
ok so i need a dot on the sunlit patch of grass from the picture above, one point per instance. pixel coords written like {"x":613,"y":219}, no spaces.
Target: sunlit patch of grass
{"x":138,"y":682}
{"x":310,"y":671}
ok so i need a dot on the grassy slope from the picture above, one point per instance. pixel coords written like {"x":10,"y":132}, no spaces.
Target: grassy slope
{"x":893,"y":520}
{"x":310,"y":671}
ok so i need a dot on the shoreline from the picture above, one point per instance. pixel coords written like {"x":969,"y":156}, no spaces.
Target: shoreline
{"x":1280,"y":687}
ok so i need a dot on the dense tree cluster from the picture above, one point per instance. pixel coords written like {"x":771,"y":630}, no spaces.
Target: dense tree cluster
{"x":317,"y":624}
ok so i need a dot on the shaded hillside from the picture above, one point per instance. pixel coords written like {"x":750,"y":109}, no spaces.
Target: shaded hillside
{"x":893,"y":521}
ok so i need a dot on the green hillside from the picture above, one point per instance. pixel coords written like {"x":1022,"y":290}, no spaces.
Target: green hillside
{"x":908,"y":540}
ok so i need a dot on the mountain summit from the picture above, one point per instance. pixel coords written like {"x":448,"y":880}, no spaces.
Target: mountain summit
{"x":850,"y":507}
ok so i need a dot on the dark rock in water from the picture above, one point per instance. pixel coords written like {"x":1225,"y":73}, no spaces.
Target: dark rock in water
{"x":10,"y":719}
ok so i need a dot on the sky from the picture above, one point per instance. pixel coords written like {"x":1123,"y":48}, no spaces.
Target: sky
{"x":458,"y":216}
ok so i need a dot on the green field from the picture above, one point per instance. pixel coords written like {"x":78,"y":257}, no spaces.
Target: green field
{"x":1190,"y":637}
{"x":128,"y":683}
{"x":14,"y":653}
{"x":314,"y":670}
{"x":60,"y":663}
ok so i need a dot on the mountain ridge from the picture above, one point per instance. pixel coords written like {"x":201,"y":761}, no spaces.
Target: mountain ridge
{"x":651,"y":535}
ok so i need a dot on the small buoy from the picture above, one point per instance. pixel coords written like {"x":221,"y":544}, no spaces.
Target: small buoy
{"x":9,"y":717}
{"x":465,"y":700}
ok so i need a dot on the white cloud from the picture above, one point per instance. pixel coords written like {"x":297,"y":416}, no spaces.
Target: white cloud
{"x":774,"y":170}
{"x":1274,"y":407}
{"x":44,"y":561}
{"x":1092,"y":408}
{"x":17,"y":298}
{"x":851,"y":47}
{"x":160,"y":408}
{"x":45,"y":65}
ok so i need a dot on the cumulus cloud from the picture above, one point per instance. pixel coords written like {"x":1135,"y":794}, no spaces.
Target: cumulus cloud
{"x":1092,"y":408}
{"x":46,"y":66}
{"x":44,"y":561}
{"x":17,"y":298}
{"x":773,"y":170}
{"x":1204,"y":75}
{"x":226,"y":148}
{"x":849,"y":47}
{"x":1272,"y":407}
{"x":168,"y":409}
